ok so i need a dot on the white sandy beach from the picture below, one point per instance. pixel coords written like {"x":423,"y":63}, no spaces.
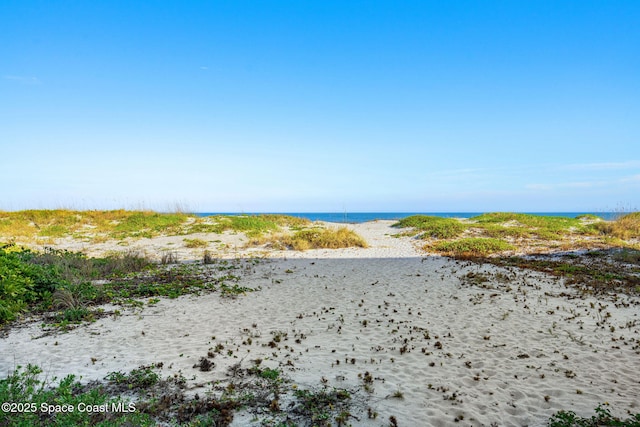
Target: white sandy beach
{"x":510,"y":352}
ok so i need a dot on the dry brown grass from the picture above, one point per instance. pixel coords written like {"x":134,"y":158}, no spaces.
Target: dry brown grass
{"x":195,"y":243}
{"x":314,"y":238}
{"x":625,"y":227}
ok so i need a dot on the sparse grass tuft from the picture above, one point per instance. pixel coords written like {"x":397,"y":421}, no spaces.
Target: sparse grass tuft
{"x":630,"y":256}
{"x":319,"y":406}
{"x":208,"y":258}
{"x":169,"y":257}
{"x":589,"y":217}
{"x":195,"y":243}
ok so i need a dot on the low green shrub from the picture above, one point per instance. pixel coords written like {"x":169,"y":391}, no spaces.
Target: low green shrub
{"x":433,"y":226}
{"x":140,"y":378}
{"x":602,"y":418}
{"x":24,"y":386}
{"x":473,"y":246}
{"x":149,"y":224}
{"x":58,"y":280}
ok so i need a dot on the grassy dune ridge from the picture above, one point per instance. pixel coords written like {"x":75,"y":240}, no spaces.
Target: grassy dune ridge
{"x":504,"y":231}
{"x":44,"y":226}
{"x":66,"y":289}
{"x":61,"y":282}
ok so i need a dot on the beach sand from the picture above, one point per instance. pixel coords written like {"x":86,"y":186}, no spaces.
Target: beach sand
{"x":443,"y":342}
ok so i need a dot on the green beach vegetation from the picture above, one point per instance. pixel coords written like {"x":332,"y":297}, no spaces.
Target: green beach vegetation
{"x":64,"y":283}
{"x":33,"y":225}
{"x":472,"y":246}
{"x":142,"y":398}
{"x":67,"y":287}
{"x":502,"y":232}
{"x":432,"y":226}
{"x":44,"y":226}
{"x":602,"y":418}
{"x":625,"y":227}
{"x":314,"y":238}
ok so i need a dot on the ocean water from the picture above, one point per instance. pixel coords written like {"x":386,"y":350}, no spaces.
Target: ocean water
{"x":359,"y":217}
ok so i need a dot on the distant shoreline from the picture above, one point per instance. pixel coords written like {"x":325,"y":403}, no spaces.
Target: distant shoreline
{"x":360,"y":217}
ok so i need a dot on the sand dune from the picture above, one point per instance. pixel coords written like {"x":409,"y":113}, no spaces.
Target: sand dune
{"x":441,"y":340}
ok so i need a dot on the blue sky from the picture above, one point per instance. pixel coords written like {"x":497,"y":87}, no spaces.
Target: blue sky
{"x":250,"y":106}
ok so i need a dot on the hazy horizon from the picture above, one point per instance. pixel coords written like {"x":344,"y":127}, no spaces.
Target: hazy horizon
{"x":427,"y":106}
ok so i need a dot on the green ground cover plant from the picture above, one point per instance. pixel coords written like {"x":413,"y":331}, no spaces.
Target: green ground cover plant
{"x":28,"y":227}
{"x":602,"y":418}
{"x":149,"y":400}
{"x":517,"y":231}
{"x":594,"y":272}
{"x":142,"y":398}
{"x":61,"y":284}
{"x":57,"y":280}
{"x":433,"y":226}
{"x":252,"y":225}
{"x":31,"y":225}
{"x":472,"y":246}
{"x":149,"y":224}
{"x":26,"y":386}
{"x":545,"y":227}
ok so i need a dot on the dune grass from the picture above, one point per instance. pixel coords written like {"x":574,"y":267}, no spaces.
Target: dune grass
{"x":314,"y":238}
{"x":195,"y":243}
{"x":471,"y":246}
{"x":28,"y":226}
{"x":624,"y":227}
{"x":517,"y":231}
{"x":433,"y":226}
{"x":149,"y":224}
{"x":38,"y":226}
{"x":527,"y":225}
{"x":293,"y":222}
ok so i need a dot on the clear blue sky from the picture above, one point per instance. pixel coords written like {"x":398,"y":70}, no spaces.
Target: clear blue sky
{"x":320,"y":105}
